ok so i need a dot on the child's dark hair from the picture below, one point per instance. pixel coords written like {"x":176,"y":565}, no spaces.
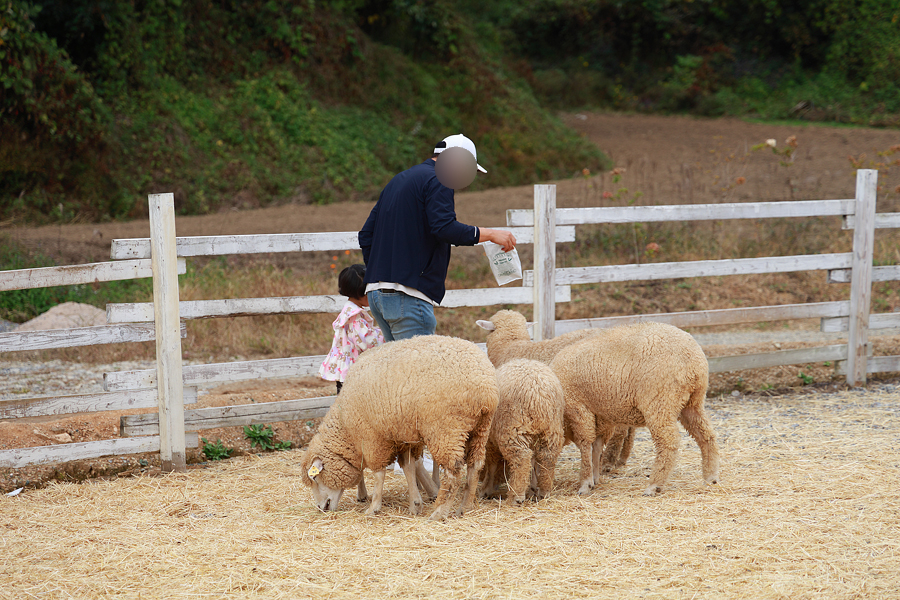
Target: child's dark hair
{"x":350,"y":281}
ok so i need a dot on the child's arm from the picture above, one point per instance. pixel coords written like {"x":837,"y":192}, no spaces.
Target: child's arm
{"x":365,"y":335}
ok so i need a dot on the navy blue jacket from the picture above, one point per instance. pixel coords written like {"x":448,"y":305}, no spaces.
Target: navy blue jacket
{"x":408,"y":234}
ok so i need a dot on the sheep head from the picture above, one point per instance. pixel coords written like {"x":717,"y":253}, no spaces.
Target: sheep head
{"x":507,"y":324}
{"x":327,"y":475}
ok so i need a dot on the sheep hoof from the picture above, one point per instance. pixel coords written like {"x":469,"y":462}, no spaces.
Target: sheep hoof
{"x":372,"y":511}
{"x":585,"y":489}
{"x":712,"y":480}
{"x":653,"y":490}
{"x":362,"y":499}
{"x":415,"y":508}
{"x":439,"y":514}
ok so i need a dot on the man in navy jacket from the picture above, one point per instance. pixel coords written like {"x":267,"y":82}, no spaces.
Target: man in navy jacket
{"x":406,"y":246}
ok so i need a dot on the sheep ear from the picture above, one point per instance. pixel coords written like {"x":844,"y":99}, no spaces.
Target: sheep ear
{"x":486,"y":325}
{"x":315,"y":468}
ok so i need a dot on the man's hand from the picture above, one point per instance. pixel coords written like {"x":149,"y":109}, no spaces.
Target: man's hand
{"x":504,"y":239}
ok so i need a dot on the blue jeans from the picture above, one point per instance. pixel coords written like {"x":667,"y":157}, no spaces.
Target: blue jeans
{"x":401,"y":316}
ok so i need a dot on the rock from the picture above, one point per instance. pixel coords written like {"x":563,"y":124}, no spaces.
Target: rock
{"x":66,"y":316}
{"x":59,"y":438}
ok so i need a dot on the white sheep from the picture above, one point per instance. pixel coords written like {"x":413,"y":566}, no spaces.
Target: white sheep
{"x":650,"y":374}
{"x":508,"y":340}
{"x":427,"y":390}
{"x":527,"y":428}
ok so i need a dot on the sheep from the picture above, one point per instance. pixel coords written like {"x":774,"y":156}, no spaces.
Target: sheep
{"x":426,"y":390}
{"x":650,"y":374}
{"x":527,"y":428}
{"x":508,"y":340}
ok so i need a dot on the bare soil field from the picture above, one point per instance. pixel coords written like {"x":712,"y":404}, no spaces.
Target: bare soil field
{"x":669,"y":160}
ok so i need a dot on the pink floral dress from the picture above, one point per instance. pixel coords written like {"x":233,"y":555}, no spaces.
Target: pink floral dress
{"x":354,"y":331}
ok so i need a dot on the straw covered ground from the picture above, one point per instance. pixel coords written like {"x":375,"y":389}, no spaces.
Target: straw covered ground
{"x":807,"y":508}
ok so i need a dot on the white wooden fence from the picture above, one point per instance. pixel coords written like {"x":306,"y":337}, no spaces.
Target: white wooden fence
{"x":855,"y":267}
{"x":170,"y":386}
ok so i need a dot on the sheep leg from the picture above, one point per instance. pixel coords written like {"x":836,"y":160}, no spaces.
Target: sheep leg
{"x":492,"y":462}
{"x":598,"y":459}
{"x":627,"y":445}
{"x":581,"y":423}
{"x":447,"y":494}
{"x":667,"y":439}
{"x":361,"y":494}
{"x":436,"y":475}
{"x":615,"y":436}
{"x":471,"y":488}
{"x":697,"y":424}
{"x":545,"y":469}
{"x":534,"y":490}
{"x":376,"y":493}
{"x":424,"y":479}
{"x":407,"y":463}
{"x":519,"y":460}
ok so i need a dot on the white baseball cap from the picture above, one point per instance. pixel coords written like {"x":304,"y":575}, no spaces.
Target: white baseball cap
{"x":461,"y":141}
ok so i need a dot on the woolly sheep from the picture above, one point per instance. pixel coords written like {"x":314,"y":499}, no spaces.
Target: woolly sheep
{"x":427,"y":390}
{"x":650,"y":374}
{"x":527,"y":428}
{"x":508,"y":340}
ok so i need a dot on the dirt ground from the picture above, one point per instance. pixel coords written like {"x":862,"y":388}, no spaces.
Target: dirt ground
{"x":670,"y":160}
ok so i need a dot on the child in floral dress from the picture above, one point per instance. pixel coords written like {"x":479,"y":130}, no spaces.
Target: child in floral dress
{"x":354,"y":329}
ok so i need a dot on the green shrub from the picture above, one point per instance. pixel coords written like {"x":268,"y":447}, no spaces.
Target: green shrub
{"x":264,"y":437}
{"x":215,"y":451}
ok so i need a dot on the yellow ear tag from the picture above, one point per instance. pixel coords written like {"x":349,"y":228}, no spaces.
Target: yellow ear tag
{"x":313,"y":471}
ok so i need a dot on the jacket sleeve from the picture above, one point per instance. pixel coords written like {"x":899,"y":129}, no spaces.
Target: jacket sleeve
{"x":366,"y":335}
{"x":367,"y":233}
{"x":441,"y":215}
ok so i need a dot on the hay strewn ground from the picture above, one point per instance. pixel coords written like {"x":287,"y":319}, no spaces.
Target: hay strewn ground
{"x":808,"y":508}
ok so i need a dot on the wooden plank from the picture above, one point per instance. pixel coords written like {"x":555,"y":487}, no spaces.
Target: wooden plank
{"x":876,"y":321}
{"x":544,"y":262}
{"x":699,"y":268}
{"x":233,"y":307}
{"x":230,"y":416}
{"x":882,"y":221}
{"x":18,"y":408}
{"x":243,"y":307}
{"x":721,"y":364}
{"x":725,"y":316}
{"x":278,"y":242}
{"x":23,"y":279}
{"x":40,"y":455}
{"x":874,"y":364}
{"x":168,"y":341}
{"x":493,"y":296}
{"x":213,"y":245}
{"x":886,"y":273}
{"x":218,"y":372}
{"x":861,"y":277}
{"x":78,"y":336}
{"x":689,"y":212}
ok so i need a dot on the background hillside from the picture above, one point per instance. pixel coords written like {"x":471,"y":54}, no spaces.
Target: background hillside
{"x":243,"y":104}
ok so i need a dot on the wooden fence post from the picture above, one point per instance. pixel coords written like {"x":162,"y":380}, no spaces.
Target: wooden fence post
{"x":168,"y":332}
{"x":861,"y":277}
{"x":544,"y":262}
